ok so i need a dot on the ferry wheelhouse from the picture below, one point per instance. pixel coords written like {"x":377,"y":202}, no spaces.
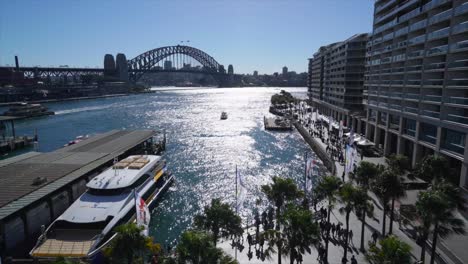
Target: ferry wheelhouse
{"x":88,"y":224}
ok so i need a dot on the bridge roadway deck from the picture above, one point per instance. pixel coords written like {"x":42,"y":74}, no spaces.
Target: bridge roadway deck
{"x":60,"y":167}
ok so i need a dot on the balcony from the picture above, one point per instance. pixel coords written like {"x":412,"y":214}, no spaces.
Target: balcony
{"x":411,"y":110}
{"x":414,"y":68}
{"x":415,"y":54}
{"x":435,"y":66}
{"x":434,"y":3}
{"x":440,"y":17}
{"x":457,"y":100}
{"x":418,"y":25}
{"x":429,"y":113}
{"x":432,"y":98}
{"x":438,"y":50}
{"x":461,"y":9}
{"x":413,"y":82}
{"x":434,"y":82}
{"x":439,"y":33}
{"x":457,"y":119}
{"x":409,"y":132}
{"x":411,"y":96}
{"x":459,"y":46}
{"x":457,"y":82}
{"x":417,"y":40}
{"x":460,"y":28}
{"x":428,"y":138}
{"x":458,"y":64}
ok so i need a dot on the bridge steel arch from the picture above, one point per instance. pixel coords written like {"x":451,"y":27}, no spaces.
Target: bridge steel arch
{"x":145,"y":62}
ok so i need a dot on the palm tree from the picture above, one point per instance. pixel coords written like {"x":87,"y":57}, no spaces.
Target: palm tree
{"x":300,"y":231}
{"x":278,"y":193}
{"x":197,"y":247}
{"x":220,"y":220}
{"x":128,"y":244}
{"x":391,"y":251}
{"x":398,"y":164}
{"x":365,"y":173}
{"x":328,"y":188}
{"x":347,"y":195}
{"x":434,"y":168}
{"x":383,"y":189}
{"x":364,"y":207}
{"x":436,"y":208}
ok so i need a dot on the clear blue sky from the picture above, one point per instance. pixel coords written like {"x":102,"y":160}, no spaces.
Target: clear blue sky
{"x":262,"y":35}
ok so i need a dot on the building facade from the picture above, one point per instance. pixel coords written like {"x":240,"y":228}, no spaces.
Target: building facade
{"x":336,"y":78}
{"x":417,"y":81}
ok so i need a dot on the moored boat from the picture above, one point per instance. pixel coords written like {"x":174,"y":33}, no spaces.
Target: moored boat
{"x":88,"y":224}
{"x":27,"y":110}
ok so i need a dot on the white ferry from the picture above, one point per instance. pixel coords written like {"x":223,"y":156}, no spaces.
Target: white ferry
{"x":87,"y":225}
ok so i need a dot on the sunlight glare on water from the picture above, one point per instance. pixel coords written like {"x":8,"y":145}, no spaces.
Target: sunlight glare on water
{"x":202,"y":150}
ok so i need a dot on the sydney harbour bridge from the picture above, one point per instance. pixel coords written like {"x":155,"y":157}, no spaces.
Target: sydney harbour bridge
{"x":179,"y":58}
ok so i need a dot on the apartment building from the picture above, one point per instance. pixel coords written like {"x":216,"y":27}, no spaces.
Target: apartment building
{"x":417,"y":80}
{"x":336,"y":78}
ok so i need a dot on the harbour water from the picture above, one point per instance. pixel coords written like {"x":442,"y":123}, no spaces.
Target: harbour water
{"x":202,"y":151}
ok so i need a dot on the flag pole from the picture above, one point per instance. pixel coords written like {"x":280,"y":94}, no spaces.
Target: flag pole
{"x":305,"y":174}
{"x":235,"y":251}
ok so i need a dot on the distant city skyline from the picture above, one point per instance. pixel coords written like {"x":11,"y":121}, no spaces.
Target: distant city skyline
{"x":250,"y":35}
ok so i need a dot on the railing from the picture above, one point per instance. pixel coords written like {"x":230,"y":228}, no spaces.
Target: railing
{"x":459,"y":45}
{"x":411,"y":96}
{"x":458,"y":64}
{"x":457,"y":100}
{"x":432,"y":98}
{"x":433,"y":3}
{"x":434,"y":82}
{"x":439,"y":33}
{"x":414,"y":68}
{"x":430,"y":113}
{"x":416,"y":40}
{"x":458,"y":119}
{"x":418,"y":25}
{"x":440,"y":17}
{"x":413,"y":82}
{"x":457,"y":82}
{"x":462,"y":27}
{"x":415,"y":54}
{"x":461,"y":9}
{"x":428,"y":138}
{"x":401,"y":31}
{"x":433,"y":66}
{"x":411,"y":110}
{"x":437,"y":50}
{"x":409,"y":132}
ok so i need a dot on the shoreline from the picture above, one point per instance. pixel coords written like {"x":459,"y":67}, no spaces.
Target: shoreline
{"x":317,"y":148}
{"x":66,"y":99}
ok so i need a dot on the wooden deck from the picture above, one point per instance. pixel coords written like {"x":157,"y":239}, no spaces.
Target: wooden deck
{"x":74,"y":243}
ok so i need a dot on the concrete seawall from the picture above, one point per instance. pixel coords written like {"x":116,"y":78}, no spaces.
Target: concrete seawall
{"x":317,"y":148}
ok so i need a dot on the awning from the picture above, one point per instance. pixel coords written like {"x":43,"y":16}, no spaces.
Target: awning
{"x":365,"y":143}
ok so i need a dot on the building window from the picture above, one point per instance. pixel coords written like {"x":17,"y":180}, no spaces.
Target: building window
{"x":453,"y":141}
{"x":409,"y":127}
{"x":394,"y":122}
{"x":428,"y":133}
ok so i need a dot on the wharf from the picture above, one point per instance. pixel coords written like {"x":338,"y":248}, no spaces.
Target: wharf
{"x":274,"y":123}
{"x":38,"y":187}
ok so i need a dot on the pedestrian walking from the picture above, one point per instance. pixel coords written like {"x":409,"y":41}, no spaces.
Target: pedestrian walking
{"x":350,"y":235}
{"x":375,"y":235}
{"x":353,"y":260}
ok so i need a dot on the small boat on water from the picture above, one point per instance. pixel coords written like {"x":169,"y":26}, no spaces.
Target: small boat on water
{"x":88,"y":224}
{"x":78,"y":139}
{"x":28,"y":110}
{"x":224,"y":116}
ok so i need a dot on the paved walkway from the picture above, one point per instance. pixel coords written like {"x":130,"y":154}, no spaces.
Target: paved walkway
{"x":457,"y":244}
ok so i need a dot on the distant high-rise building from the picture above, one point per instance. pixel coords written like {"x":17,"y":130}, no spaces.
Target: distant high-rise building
{"x":109,"y":65}
{"x":167,"y":65}
{"x":255,"y":73}
{"x":230,"y":69}
{"x":122,"y":67}
{"x":285,"y":70}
